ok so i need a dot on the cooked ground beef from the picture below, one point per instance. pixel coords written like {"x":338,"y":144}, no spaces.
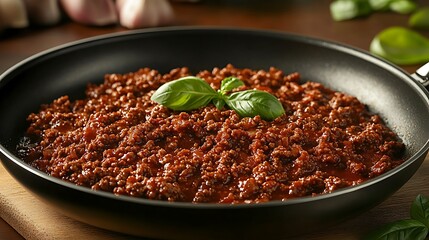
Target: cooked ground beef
{"x":118,"y":140}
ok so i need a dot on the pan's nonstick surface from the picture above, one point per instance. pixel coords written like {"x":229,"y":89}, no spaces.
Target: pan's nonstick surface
{"x":66,"y":70}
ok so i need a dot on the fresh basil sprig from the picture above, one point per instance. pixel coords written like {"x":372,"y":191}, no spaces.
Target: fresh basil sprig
{"x":420,"y":210}
{"x":254,"y":102}
{"x":229,"y":84}
{"x":415,"y":228}
{"x":348,"y":9}
{"x":185,"y":94}
{"x":403,"y":6}
{"x":420,"y":19}
{"x":401,"y":46}
{"x":398,"y":6}
{"x":190,"y":93}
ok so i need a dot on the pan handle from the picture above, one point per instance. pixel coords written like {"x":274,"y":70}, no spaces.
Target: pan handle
{"x":422,"y":75}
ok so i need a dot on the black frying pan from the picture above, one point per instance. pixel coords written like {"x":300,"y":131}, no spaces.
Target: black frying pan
{"x":387,"y":90}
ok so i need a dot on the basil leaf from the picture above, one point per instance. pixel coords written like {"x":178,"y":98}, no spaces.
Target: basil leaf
{"x":403,"y":6}
{"x":420,"y":210}
{"x":250,"y":103}
{"x":347,"y":9}
{"x":230,"y":83}
{"x":401,"y":46}
{"x":184,"y":94}
{"x":380,"y":5}
{"x":190,"y":93}
{"x":400,"y":230}
{"x":420,"y":19}
{"x":219,"y":103}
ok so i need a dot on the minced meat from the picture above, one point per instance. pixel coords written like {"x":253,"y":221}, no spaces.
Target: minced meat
{"x":118,"y":140}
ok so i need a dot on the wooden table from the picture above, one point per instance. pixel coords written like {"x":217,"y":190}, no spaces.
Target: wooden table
{"x":305,"y":17}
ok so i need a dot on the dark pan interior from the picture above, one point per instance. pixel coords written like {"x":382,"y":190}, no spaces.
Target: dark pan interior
{"x":386,"y":90}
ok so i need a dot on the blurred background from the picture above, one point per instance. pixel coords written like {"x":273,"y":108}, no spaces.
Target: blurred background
{"x":31,"y":26}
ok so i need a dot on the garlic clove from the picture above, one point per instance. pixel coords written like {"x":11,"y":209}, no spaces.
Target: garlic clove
{"x":144,"y":13}
{"x":166,"y":13}
{"x":43,"y":12}
{"x":91,"y":12}
{"x":13,"y":14}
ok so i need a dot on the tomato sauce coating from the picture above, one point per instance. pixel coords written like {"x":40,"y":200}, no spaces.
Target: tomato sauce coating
{"x":118,"y":140}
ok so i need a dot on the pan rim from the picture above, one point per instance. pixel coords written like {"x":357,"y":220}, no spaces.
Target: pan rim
{"x":268,"y":33}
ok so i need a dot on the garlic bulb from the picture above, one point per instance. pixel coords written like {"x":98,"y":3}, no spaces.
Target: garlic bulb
{"x":144,"y":13}
{"x":91,"y":12}
{"x":44,"y":12}
{"x":13,"y":14}
{"x":129,"y":13}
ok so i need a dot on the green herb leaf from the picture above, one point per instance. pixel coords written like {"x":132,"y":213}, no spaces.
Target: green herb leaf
{"x":185,"y":94}
{"x":347,"y":9}
{"x":403,"y":6}
{"x":420,"y":210}
{"x":401,"y":46}
{"x":219,"y":103}
{"x":380,"y":5}
{"x":420,"y":19}
{"x":190,"y":93}
{"x":254,"y":102}
{"x":230,"y":83}
{"x":400,"y":230}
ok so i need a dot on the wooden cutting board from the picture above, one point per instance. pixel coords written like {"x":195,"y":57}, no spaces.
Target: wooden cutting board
{"x":34,"y":219}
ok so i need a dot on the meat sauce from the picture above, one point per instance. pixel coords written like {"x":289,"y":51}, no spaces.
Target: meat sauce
{"x":118,"y":140}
